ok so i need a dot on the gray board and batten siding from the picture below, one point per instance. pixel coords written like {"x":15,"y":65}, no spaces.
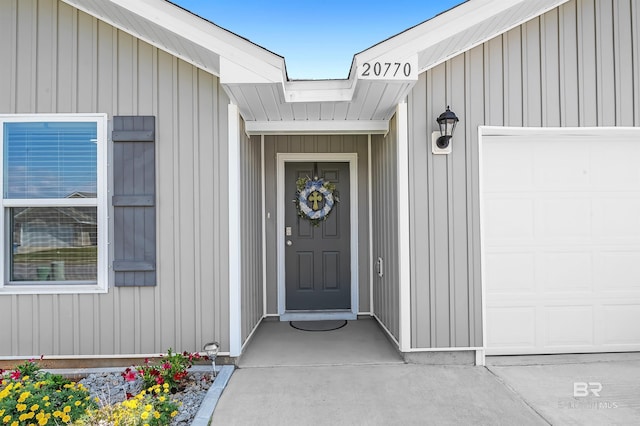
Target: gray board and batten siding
{"x":252,"y":305}
{"x":386,"y":288}
{"x":574,"y":66}
{"x":75,"y":63}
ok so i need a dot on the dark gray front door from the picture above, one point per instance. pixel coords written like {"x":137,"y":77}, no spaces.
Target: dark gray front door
{"x":318,"y":259}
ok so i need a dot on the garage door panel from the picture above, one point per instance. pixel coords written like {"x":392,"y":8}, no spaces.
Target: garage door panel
{"x":510,"y":272}
{"x":567,"y":165}
{"x":617,"y":271}
{"x":617,"y":218}
{"x":568,"y":326}
{"x":562,"y":272}
{"x":515,"y":327}
{"x":626,"y":176}
{"x":621,"y":324}
{"x":563,"y":219}
{"x":508,"y":166}
{"x":509,"y":219}
{"x":561,"y":241}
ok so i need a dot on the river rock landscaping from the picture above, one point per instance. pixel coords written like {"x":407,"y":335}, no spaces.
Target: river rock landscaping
{"x":112,"y":388}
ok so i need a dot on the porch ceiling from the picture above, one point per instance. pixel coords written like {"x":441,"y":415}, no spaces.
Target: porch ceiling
{"x":365,"y":108}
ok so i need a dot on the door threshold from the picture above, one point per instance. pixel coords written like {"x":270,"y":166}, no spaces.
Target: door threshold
{"x":318,"y":315}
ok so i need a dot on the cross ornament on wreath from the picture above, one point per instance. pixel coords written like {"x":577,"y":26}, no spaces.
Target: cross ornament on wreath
{"x":315,"y":199}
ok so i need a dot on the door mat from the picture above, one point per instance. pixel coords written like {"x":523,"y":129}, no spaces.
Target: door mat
{"x":326,"y":325}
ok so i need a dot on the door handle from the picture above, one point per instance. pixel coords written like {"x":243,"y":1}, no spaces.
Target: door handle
{"x":289,"y":243}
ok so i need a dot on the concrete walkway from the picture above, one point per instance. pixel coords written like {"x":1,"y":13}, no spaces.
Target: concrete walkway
{"x":337,"y":389}
{"x":370,"y":395}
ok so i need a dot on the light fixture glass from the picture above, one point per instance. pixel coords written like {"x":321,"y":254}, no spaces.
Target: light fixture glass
{"x":447,"y":122}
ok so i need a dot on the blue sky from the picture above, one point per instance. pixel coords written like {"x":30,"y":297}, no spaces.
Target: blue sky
{"x":317,"y":38}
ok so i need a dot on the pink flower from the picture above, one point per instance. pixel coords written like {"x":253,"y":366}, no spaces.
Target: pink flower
{"x":15,"y":375}
{"x":166,"y":366}
{"x":146,"y":360}
{"x":159,"y":380}
{"x":129,"y":375}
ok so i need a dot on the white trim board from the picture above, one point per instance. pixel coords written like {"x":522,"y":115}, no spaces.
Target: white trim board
{"x":370,"y":206}
{"x":352,"y":159}
{"x":404,"y":244}
{"x":325,"y":127}
{"x":263,"y":176}
{"x":235,"y":235}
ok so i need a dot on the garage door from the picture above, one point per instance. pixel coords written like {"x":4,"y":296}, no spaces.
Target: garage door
{"x":560,"y":220}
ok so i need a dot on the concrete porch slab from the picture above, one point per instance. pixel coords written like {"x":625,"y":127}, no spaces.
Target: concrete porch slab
{"x":277,"y":344}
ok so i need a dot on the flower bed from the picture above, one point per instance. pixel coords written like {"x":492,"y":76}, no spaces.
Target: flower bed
{"x":156,"y":393}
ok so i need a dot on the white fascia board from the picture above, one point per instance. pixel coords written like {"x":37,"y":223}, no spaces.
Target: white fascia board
{"x":426,"y":65}
{"x":191,"y":27}
{"x":327,"y":127}
{"x":438,"y":29}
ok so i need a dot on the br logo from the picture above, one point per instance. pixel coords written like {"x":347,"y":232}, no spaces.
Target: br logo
{"x":582,"y":389}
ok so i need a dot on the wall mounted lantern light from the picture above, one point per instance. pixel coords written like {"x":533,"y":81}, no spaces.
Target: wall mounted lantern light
{"x":441,"y":141}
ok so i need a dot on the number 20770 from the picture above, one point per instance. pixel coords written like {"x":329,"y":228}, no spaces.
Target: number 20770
{"x":386,"y":69}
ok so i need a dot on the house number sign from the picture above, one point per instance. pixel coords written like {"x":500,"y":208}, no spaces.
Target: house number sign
{"x":389,"y":69}
{"x":386,"y":69}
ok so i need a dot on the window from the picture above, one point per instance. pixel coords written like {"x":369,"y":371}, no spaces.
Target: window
{"x":54,"y":210}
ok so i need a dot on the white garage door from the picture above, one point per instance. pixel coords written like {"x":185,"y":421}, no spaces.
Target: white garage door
{"x":560,"y":215}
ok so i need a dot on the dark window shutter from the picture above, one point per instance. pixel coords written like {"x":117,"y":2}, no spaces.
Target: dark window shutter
{"x":134,"y":211}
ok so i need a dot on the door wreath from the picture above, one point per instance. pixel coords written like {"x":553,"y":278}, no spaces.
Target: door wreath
{"x":315,"y":199}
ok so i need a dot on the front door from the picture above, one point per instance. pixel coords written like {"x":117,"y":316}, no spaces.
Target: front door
{"x":317,"y":258}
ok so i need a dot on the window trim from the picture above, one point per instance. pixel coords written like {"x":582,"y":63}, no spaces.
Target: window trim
{"x":101,"y":203}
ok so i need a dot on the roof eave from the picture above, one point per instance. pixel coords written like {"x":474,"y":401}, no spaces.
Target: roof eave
{"x":167,"y":18}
